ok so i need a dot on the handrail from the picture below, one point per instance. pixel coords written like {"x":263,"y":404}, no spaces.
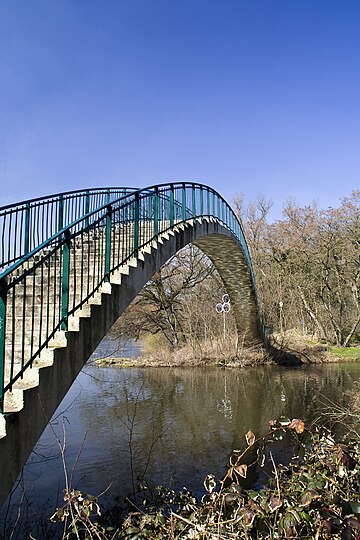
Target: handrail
{"x":50,"y":283}
{"x":27,"y":224}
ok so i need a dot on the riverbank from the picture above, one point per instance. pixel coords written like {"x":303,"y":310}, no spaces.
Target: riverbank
{"x":282,"y":350}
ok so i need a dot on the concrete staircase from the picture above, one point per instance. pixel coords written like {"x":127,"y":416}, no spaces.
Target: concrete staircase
{"x":31,"y":312}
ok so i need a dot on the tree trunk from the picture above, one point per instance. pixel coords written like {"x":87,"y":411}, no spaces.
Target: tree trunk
{"x":352,"y":332}
{"x":312,"y":314}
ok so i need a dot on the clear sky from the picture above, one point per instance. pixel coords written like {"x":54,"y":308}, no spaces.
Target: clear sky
{"x":243,"y":95}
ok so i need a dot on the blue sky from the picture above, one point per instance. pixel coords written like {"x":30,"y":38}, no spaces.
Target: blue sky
{"x":244,"y":95}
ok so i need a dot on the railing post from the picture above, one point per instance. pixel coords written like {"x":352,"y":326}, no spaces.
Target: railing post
{"x":65,"y":281}
{"x":156,"y":213}
{"x":3,"y":294}
{"x":183,"y":203}
{"x":171,"y":217}
{"x":27,"y":229}
{"x":87,"y":207}
{"x":136,"y":224}
{"x":61,"y":213}
{"x":193,"y":197}
{"x":208,"y":202}
{"x":108,"y":242}
{"x":201,"y":201}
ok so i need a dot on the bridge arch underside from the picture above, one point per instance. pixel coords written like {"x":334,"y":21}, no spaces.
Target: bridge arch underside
{"x":229,"y":260}
{"x":24,"y":428}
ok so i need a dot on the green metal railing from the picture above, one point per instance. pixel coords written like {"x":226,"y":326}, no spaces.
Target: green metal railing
{"x":50,"y":283}
{"x":26,"y":225}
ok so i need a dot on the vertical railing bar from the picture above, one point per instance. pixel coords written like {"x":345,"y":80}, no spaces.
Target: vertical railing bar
{"x":23,"y":326}
{"x":3,"y":299}
{"x":36,"y":211}
{"x":54,"y":289}
{"x":43,"y":223}
{"x":183,"y":203}
{"x":69,"y":209}
{"x":171,"y":205}
{"x":87,"y":207}
{"x":48,"y":221}
{"x":9,"y":246}
{"x":126,"y":232}
{"x":41,"y":303}
{"x":156,"y":213}
{"x":136,"y":225}
{"x":52,"y":218}
{"x":3,"y":249}
{"x":82,"y":265}
{"x":103,"y":253}
{"x":94,"y":259}
{"x":17,"y":237}
{"x":60,"y":286}
{"x":94,"y":254}
{"x":107,"y":242}
{"x":48,"y":297}
{"x":113,"y":240}
{"x":61,"y":213}
{"x":73,"y":276}
{"x":66,"y":212}
{"x":88,"y":266}
{"x":65,"y":280}
{"x":122,"y":235}
{"x":120,"y":229}
{"x":13,"y":332}
{"x":22,"y":241}
{"x":33,"y":314}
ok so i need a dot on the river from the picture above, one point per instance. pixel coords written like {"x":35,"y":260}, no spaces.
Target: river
{"x":168,"y":426}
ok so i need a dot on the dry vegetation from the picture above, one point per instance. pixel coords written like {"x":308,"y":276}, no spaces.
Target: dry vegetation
{"x":307,"y":268}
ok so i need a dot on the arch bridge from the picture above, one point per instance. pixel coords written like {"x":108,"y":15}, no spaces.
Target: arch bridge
{"x":71,"y":263}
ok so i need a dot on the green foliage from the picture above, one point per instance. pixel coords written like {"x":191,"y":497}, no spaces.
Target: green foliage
{"x":346,"y":353}
{"x":315,"y":494}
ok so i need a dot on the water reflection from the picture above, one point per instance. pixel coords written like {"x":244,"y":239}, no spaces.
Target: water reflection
{"x":168,"y":425}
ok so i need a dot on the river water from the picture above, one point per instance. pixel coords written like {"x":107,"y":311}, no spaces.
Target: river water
{"x":168,"y":426}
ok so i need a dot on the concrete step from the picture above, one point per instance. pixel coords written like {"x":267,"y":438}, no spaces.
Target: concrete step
{"x":30,"y":377}
{"x":57,"y":342}
{"x":13,"y":401}
{"x":2,"y":426}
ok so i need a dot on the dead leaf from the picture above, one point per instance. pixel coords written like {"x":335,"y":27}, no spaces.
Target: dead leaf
{"x":250,"y":438}
{"x":298,"y":425}
{"x":275,"y":503}
{"x":241,"y":470}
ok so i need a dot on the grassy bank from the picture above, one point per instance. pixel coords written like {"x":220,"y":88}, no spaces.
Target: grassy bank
{"x":347,"y":354}
{"x":282,"y":349}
